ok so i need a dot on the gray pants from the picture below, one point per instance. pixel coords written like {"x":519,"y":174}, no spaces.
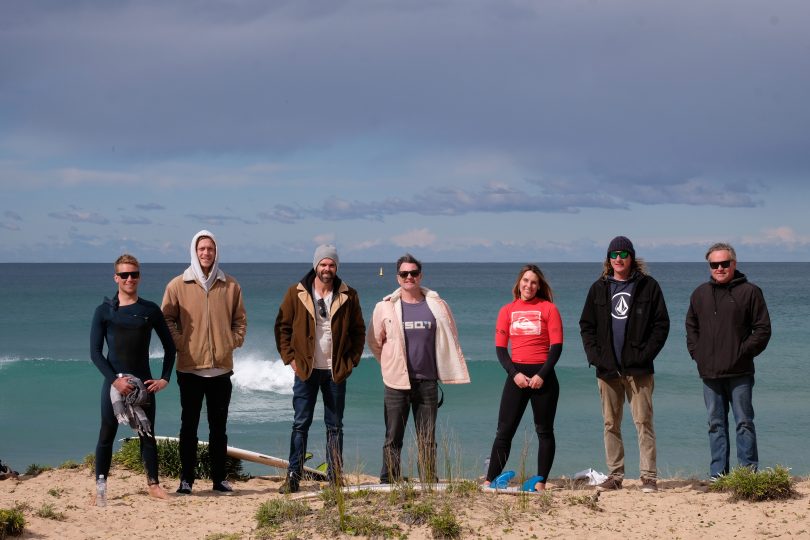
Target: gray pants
{"x":422,"y":398}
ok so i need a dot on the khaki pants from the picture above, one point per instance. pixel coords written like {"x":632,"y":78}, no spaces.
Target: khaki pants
{"x":638,"y":390}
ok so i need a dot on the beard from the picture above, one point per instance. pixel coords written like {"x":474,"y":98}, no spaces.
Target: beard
{"x":326,"y":276}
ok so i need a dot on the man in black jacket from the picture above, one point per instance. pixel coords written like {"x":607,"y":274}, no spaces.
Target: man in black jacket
{"x":727,"y":325}
{"x":624,"y":325}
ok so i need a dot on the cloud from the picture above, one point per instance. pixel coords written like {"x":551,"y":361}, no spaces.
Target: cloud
{"x":325,"y":238}
{"x":76,"y":215}
{"x":9,"y":226}
{"x":282,"y":214}
{"x":414,"y":238}
{"x":132,"y":220}
{"x":150,"y":206}
{"x":215,"y":219}
{"x":12,"y":215}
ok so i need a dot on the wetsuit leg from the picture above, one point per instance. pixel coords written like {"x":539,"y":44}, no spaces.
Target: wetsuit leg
{"x":513,"y":403}
{"x":544,"y":407}
{"x":106,"y":434}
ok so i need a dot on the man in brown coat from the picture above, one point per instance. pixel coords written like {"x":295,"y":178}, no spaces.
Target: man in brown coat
{"x":320,"y":333}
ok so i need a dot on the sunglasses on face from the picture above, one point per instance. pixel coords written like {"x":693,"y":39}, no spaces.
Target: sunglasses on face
{"x":413,"y":273}
{"x":127,"y":275}
{"x":718,"y":264}
{"x":322,"y":307}
{"x":623,"y":254}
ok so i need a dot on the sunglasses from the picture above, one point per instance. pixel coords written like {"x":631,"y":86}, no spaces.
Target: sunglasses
{"x":127,"y":275}
{"x":322,"y":307}
{"x":623,"y":254}
{"x":413,"y":273}
{"x":718,"y":264}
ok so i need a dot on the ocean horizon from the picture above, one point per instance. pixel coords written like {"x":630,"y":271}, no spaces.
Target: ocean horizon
{"x":49,"y":387}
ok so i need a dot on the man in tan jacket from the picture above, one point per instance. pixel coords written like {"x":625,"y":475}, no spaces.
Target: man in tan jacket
{"x":204,"y":310}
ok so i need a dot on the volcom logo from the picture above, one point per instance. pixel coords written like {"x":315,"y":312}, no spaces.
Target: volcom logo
{"x":621,"y":307}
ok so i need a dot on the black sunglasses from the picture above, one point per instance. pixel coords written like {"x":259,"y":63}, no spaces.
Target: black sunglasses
{"x":623,"y":254}
{"x":718,"y":264}
{"x":126,"y":275}
{"x":322,"y":307}
{"x":413,"y":273}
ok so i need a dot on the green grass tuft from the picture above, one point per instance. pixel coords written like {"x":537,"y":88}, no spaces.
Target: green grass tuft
{"x":418,"y":512}
{"x":277,"y":511}
{"x":365,"y":525}
{"x":748,"y":485}
{"x":12,"y":522}
{"x":47,"y":511}
{"x":34,"y":469}
{"x":445,"y":525}
{"x":129,"y":456}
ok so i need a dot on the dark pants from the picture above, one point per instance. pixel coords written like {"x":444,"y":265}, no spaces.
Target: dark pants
{"x":305,"y":396}
{"x":217,"y":394}
{"x":109,"y":428}
{"x":422,"y":398}
{"x":513,"y":404}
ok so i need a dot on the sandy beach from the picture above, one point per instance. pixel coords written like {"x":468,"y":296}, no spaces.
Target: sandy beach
{"x":681,"y":509}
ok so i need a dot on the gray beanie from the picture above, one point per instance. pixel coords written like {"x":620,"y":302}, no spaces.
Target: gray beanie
{"x":621,"y":243}
{"x":325,"y":251}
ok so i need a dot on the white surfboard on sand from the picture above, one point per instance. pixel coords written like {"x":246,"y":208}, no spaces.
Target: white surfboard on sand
{"x":439,"y":486}
{"x":256,"y":457}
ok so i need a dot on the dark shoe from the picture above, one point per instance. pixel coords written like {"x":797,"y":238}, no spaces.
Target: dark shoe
{"x":612,"y":483}
{"x":649,"y":485}
{"x":289,"y":486}
{"x":185,"y":488}
{"x":223,"y":487}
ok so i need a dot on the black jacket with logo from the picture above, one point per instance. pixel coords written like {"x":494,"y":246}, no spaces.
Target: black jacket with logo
{"x":726,"y":327}
{"x":645,"y":333}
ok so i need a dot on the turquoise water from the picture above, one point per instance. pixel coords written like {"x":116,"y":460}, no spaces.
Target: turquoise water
{"x":49,"y":388}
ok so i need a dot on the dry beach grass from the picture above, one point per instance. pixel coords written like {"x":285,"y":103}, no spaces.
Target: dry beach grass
{"x":57,"y":504}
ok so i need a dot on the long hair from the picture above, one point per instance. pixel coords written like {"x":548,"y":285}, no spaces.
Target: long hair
{"x":636,"y":265}
{"x":544,"y":291}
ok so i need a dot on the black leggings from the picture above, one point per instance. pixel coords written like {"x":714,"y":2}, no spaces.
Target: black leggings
{"x":106,"y":437}
{"x":513,"y":405}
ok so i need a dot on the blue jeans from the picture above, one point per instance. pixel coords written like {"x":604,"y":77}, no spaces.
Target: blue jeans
{"x":718,"y":394}
{"x":305,"y":395}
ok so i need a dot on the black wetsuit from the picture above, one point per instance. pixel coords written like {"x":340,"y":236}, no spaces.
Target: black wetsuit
{"x":127,"y":331}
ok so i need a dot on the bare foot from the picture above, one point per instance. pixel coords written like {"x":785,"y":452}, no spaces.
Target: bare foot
{"x":540,"y":486}
{"x":157,"y":492}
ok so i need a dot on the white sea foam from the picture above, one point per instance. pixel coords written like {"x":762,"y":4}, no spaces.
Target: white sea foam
{"x":253,"y":372}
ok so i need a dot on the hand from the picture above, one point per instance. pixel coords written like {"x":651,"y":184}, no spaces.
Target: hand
{"x":294,"y":367}
{"x":156,"y":385}
{"x":536,"y":382}
{"x":123,"y":385}
{"x":521,"y":380}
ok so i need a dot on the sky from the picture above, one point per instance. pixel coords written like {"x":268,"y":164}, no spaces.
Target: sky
{"x":457,"y":130}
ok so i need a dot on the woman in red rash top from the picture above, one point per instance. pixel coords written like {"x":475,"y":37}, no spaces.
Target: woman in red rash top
{"x":533,"y":324}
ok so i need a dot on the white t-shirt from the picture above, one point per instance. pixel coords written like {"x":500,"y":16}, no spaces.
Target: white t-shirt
{"x":323,"y":331}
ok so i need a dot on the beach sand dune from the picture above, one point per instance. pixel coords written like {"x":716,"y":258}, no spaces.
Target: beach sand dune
{"x":681,"y":509}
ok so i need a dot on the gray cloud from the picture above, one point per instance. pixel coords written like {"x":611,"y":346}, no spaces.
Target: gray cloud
{"x":214,"y":219}
{"x":549,"y":83}
{"x":150,"y":206}
{"x":12,"y":215}
{"x":76,"y":215}
{"x":132,"y":220}
{"x":9,"y":226}
{"x":282,"y":214}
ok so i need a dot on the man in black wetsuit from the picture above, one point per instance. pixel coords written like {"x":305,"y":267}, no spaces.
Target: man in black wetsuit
{"x":126,"y":322}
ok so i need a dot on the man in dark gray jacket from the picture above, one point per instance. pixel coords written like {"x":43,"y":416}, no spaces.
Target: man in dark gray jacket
{"x":727,"y":325}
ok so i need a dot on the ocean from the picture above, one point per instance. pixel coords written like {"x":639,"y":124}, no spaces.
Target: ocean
{"x":49,"y":388}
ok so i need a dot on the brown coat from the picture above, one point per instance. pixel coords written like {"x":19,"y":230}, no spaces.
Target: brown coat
{"x":206,"y":327}
{"x":295,"y":329}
